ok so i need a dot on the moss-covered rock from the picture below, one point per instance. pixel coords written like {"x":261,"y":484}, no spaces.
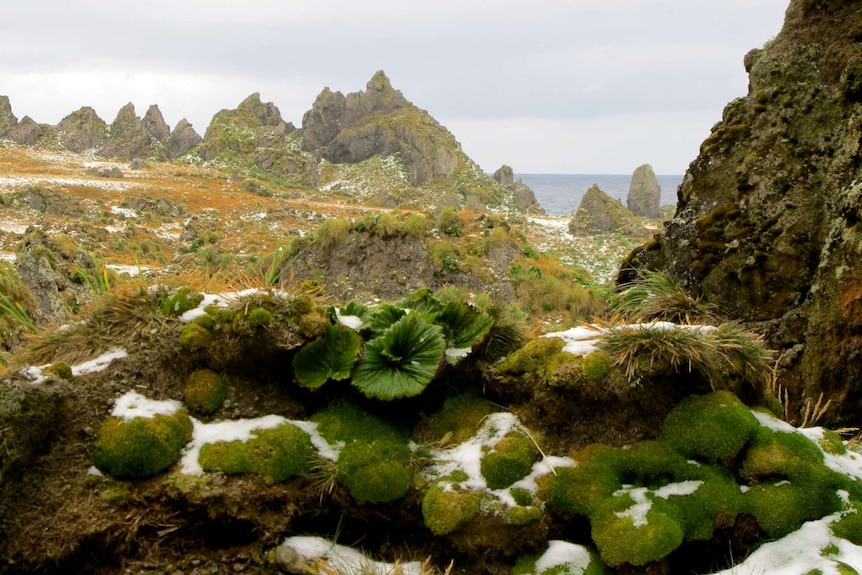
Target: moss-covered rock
{"x":622,"y":538}
{"x":509,"y":460}
{"x":205,"y":391}
{"x":61,"y":369}
{"x":141,"y":446}
{"x":180,"y":301}
{"x":276,"y":454}
{"x":195,"y":337}
{"x":446,"y":506}
{"x":709,"y":427}
{"x":457,"y":420}
{"x":561,"y":558}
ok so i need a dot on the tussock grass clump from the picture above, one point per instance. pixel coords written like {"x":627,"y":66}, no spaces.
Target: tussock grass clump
{"x":17,"y":306}
{"x":656,"y":295}
{"x":128,"y":313}
{"x":332,"y":233}
{"x":722,"y":355}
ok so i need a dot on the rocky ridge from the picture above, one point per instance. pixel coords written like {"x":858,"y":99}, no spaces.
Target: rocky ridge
{"x":768,"y":220}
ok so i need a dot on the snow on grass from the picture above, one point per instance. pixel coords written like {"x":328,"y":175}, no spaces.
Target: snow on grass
{"x":125,"y":212}
{"x":127,"y":269}
{"x":243,"y":430}
{"x":344,"y":559}
{"x":9,"y":257}
{"x":223,"y":300}
{"x":132,"y":404}
{"x":585,"y":339}
{"x":99,"y":363}
{"x":36,"y":375}
{"x":559,"y":553}
{"x":22,"y":181}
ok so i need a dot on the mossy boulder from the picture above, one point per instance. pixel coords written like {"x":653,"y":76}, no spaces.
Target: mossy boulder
{"x":509,"y":460}
{"x":141,"y":446}
{"x":374,"y":463}
{"x":205,"y":391}
{"x":180,"y":301}
{"x":276,"y":454}
{"x":61,"y":369}
{"x":446,"y":506}
{"x":543,"y":363}
{"x":561,"y":558}
{"x":623,"y":537}
{"x":709,"y":427}
{"x":457,"y":420}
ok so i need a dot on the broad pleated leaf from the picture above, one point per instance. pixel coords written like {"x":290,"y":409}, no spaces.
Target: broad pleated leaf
{"x":402,"y":361}
{"x":328,"y":357}
{"x":421,"y":301}
{"x":382,"y":319}
{"x":462,"y":325}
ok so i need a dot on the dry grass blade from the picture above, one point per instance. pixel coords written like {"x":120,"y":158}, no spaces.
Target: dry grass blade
{"x":811,"y":415}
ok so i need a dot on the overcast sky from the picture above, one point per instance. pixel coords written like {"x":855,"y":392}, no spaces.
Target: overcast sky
{"x":546,"y":86}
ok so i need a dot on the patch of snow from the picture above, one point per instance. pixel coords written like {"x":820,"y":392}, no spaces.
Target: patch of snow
{"x":223,"y":300}
{"x":771,"y":422}
{"x":564,"y":553}
{"x":99,"y":363}
{"x":124,"y":212}
{"x":93,"y":470}
{"x":13,"y":226}
{"x":458,"y":352}
{"x":345,"y":559}
{"x":22,"y":181}
{"x":638,"y":512}
{"x":35,"y":374}
{"x":849,"y":464}
{"x":133,"y":271}
{"x":115,"y":229}
{"x":581,"y":340}
{"x":352,"y":321}
{"x":802,"y":552}
{"x":168,"y":231}
{"x":6,"y":256}
{"x":132,"y":404}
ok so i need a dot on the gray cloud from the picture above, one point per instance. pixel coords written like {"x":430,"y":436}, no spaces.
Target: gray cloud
{"x":479,"y":61}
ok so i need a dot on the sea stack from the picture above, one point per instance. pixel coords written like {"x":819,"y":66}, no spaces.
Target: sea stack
{"x":644,"y":193}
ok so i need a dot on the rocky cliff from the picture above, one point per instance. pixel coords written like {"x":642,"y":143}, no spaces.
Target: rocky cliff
{"x":598,"y":213}
{"x":380,"y":122}
{"x":769,"y":220}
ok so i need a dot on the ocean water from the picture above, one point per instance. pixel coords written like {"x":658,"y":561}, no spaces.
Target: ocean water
{"x":560,"y":194}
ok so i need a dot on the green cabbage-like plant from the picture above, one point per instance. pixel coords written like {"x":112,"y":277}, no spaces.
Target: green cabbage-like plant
{"x":462,"y":325}
{"x":402,"y":361}
{"x":382,"y":319}
{"x":330,"y":356}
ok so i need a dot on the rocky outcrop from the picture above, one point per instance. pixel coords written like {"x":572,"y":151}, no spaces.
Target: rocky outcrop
{"x":154,"y":124}
{"x":505,"y":176}
{"x":769,"y":220}
{"x":254,"y":135}
{"x":7,"y":118}
{"x":130,"y":137}
{"x":644,"y":193}
{"x":380,"y":122}
{"x":26,"y":133}
{"x":522,"y":196}
{"x":82,"y":130}
{"x":598,"y":213}
{"x":181,"y":140}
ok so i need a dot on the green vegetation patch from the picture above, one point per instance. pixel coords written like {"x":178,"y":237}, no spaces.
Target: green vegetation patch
{"x":329,"y":357}
{"x":509,"y":460}
{"x":276,"y":454}
{"x":141,"y":446}
{"x":561,"y":558}
{"x":459,"y":418}
{"x":446,"y":506}
{"x":709,"y":427}
{"x":180,"y":301}
{"x":622,"y":539}
{"x":205,"y":391}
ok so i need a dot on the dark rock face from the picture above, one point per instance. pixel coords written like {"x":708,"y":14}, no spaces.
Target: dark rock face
{"x":26,"y":133}
{"x":127,"y":137}
{"x":155,"y":125}
{"x":181,"y":140}
{"x":769,"y":220}
{"x":380,"y":121}
{"x":7,"y":118}
{"x":505,"y":176}
{"x":82,"y":130}
{"x":644,"y":193}
{"x":522,"y":196}
{"x":599,"y":213}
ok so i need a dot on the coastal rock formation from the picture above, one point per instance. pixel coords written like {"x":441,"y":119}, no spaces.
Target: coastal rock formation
{"x":128,"y":139}
{"x":769,"y":219}
{"x":522,"y":195}
{"x":380,"y":122}
{"x":181,"y":140}
{"x":644,"y":193}
{"x":82,"y":130}
{"x":598,"y":213}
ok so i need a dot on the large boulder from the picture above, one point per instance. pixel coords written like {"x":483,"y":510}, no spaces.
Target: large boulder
{"x":505,"y":176}
{"x":523,"y":196}
{"x":380,"y":122}
{"x":598,"y":213}
{"x":644,"y":193}
{"x":769,"y":219}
